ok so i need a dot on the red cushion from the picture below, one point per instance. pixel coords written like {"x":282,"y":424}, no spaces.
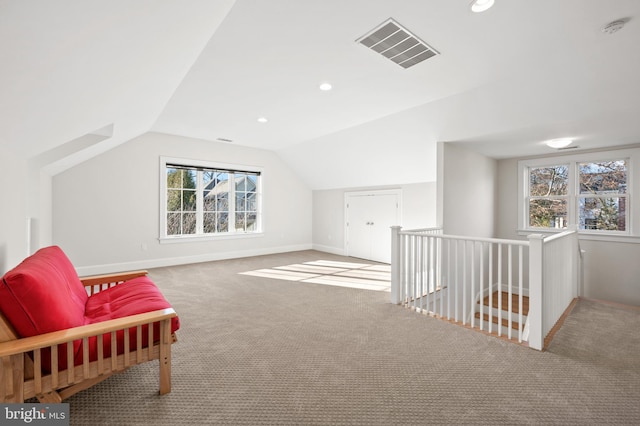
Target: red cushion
{"x":136,"y":296}
{"x":43,"y":294}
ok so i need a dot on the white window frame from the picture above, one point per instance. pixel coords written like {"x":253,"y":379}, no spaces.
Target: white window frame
{"x":199,"y":235}
{"x":630,"y":155}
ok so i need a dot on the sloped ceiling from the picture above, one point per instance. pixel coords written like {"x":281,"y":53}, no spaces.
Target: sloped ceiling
{"x":71,"y":68}
{"x":505,"y":80}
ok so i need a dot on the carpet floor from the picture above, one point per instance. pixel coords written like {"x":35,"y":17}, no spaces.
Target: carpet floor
{"x":259,"y":351}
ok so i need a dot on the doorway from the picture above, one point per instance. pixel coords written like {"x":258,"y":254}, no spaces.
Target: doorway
{"x":369,"y":217}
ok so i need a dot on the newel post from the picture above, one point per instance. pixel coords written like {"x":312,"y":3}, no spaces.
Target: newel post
{"x":536,"y":277}
{"x":395,"y":264}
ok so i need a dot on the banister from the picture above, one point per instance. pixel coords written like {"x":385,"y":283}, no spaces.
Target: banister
{"x":477,"y":239}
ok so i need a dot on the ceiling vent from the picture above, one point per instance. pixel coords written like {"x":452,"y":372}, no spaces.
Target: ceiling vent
{"x":397,"y":44}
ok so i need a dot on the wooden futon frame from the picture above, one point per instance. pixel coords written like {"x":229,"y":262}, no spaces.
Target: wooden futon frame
{"x":23,"y":374}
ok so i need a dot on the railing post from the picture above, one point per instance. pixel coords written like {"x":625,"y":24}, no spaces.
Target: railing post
{"x":395,"y":264}
{"x":536,"y":276}
{"x":575,"y":261}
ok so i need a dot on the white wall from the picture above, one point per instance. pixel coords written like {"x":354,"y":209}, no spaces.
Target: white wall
{"x":418,"y":211}
{"x":467,"y":192}
{"x":106,"y":210}
{"x":14,"y":191}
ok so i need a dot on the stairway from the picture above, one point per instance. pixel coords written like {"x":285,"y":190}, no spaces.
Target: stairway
{"x":494,"y":311}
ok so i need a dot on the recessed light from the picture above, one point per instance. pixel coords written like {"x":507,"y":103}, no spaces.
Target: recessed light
{"x":262,"y":120}
{"x":559,"y":143}
{"x":325,"y":87}
{"x":481,"y":5}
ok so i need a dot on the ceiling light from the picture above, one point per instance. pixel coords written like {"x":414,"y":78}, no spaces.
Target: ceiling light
{"x":325,"y":87}
{"x":481,"y":5}
{"x":262,"y":120}
{"x":559,"y":143}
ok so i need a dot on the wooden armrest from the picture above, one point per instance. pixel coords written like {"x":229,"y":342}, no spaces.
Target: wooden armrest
{"x":27,"y":344}
{"x":111,"y":278}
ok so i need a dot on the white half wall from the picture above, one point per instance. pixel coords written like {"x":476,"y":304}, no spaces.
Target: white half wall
{"x":418,"y":211}
{"x":106,"y":210}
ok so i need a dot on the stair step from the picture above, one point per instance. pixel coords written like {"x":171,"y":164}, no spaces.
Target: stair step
{"x":505,"y":321}
{"x":515,"y":302}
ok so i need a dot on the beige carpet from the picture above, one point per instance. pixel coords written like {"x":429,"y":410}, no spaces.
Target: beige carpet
{"x":255,"y":350}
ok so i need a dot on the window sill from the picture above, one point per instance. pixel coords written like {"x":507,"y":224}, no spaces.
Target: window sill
{"x":201,"y":238}
{"x":587,"y":236}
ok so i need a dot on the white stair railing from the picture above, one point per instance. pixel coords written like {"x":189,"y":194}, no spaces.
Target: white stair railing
{"x":448,"y":277}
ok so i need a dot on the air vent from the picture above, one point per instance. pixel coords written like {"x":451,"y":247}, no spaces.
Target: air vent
{"x":397,"y":44}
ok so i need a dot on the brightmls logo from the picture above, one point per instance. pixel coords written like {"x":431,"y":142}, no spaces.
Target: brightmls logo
{"x":35,"y":414}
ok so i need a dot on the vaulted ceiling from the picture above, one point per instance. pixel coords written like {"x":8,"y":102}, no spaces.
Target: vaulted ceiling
{"x":79,"y":77}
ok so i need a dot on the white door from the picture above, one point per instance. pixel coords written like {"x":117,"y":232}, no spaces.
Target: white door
{"x":370,"y":216}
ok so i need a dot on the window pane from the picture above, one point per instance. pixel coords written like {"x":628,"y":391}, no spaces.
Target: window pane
{"x":222,"y":224}
{"x":252,"y":222}
{"x":173,"y":224}
{"x":209,"y":201}
{"x":209,"y":223}
{"x":223,"y":202}
{"x":603,"y":214}
{"x":174,"y":178}
{"x":222,"y":181}
{"x":548,"y":213}
{"x":240,"y":206}
{"x":189,"y":223}
{"x":174,"y":203}
{"x":189,"y":179}
{"x":189,"y":201}
{"x":546,"y":181}
{"x":251,"y":182}
{"x":251,"y":206}
{"x":241,"y":181}
{"x":208,"y":177}
{"x":605,"y":177}
{"x":240,"y":223}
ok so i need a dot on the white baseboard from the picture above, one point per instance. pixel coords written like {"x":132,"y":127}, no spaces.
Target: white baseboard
{"x":183,"y":260}
{"x":328,"y":249}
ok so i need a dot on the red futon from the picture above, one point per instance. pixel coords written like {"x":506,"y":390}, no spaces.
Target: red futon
{"x":60,"y":334}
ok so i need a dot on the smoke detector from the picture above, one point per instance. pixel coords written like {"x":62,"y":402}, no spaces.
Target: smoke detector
{"x":614,"y":27}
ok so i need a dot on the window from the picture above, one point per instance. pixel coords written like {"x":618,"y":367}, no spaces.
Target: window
{"x":206,"y":199}
{"x":602,"y":196}
{"x":589,"y":192}
{"x":548,"y":196}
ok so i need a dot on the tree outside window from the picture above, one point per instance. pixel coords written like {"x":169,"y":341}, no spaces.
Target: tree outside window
{"x":204,"y":201}
{"x":591,"y":194}
{"x":603,"y":190}
{"x":548,"y":191}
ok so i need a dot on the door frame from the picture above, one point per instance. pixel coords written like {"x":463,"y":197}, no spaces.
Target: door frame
{"x":348,"y":194}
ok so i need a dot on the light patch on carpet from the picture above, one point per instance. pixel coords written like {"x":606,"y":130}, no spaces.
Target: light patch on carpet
{"x":363,"y":276}
{"x":280,"y":275}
